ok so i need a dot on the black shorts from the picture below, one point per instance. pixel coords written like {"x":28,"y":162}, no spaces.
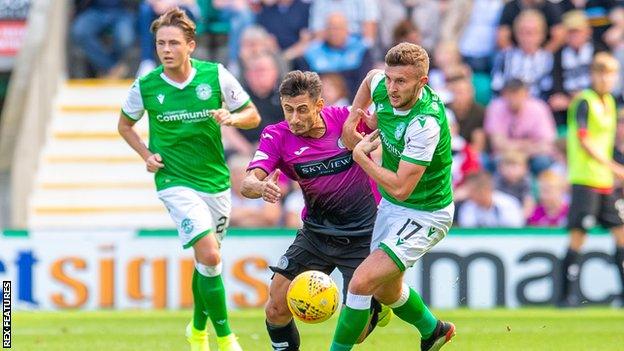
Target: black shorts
{"x":313,"y":251}
{"x":588,"y":208}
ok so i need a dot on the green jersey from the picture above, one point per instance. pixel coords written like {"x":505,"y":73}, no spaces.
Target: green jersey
{"x":421,"y":136}
{"x":182,"y":129}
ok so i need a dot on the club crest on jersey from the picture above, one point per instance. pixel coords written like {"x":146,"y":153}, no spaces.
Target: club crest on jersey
{"x":204,"y":91}
{"x":400,"y":129}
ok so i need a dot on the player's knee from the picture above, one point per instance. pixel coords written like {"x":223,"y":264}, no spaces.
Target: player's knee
{"x":277,"y":312}
{"x":361,"y":285}
{"x":211,"y":257}
{"x":209,"y":270}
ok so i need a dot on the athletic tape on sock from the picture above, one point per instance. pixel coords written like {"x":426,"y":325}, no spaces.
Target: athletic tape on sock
{"x":405,"y":292}
{"x":209,"y":271}
{"x":359,"y":302}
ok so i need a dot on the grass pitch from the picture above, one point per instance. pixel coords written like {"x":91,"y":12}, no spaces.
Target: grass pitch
{"x":507,"y":330}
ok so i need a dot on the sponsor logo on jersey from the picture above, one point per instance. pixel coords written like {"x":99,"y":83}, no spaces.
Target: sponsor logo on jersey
{"x":184,"y":116}
{"x":161,"y":98}
{"x":204,"y":91}
{"x":301,"y":150}
{"x":400,"y":129}
{"x":388,"y":146}
{"x":267,"y":136}
{"x":329,"y":166}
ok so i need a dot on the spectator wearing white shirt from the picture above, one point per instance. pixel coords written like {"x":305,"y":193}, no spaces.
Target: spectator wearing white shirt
{"x":487,"y":207}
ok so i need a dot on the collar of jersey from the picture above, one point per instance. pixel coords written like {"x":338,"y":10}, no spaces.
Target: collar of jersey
{"x":179,"y":85}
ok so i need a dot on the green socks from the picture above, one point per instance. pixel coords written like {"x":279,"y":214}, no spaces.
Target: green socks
{"x":411,"y":308}
{"x":352,"y":322}
{"x":212,"y":294}
{"x":199,"y":310}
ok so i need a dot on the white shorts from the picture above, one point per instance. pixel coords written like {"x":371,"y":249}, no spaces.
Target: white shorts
{"x":406,"y":234}
{"x":197,"y":214}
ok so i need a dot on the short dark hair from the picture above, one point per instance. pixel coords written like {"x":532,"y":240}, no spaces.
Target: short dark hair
{"x":513,"y":85}
{"x":297,"y":83}
{"x":175,"y":18}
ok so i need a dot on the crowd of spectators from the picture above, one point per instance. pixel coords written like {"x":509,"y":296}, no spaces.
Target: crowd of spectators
{"x":507,"y":70}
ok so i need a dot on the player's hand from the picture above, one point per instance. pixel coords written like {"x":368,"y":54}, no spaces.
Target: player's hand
{"x":368,"y":144}
{"x":559,"y":102}
{"x":223,"y":117}
{"x":350,"y":137}
{"x":368,"y":118}
{"x":271,"y":192}
{"x":618,"y":170}
{"x":154,"y":163}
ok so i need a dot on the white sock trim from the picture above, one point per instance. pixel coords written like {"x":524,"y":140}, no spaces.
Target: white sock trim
{"x":209,"y":271}
{"x":359,"y":302}
{"x":405,"y":291}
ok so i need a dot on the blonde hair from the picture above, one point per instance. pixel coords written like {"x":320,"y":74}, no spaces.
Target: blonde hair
{"x":175,"y":18}
{"x":604,"y":62}
{"x":551,"y":177}
{"x":531,"y":14}
{"x":405,"y":54}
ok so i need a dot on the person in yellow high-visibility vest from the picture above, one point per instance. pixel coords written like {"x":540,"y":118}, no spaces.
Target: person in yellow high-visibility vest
{"x":592,"y":121}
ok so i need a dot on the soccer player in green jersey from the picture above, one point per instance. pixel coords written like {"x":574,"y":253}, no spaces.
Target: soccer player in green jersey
{"x":414,"y":179}
{"x":184,"y":100}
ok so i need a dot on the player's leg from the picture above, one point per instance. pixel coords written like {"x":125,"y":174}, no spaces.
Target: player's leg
{"x":376,"y":270}
{"x":618,"y":233}
{"x":611,"y":217}
{"x":208,"y":256}
{"x":570,"y":265}
{"x":409,"y":306}
{"x":301,"y":256}
{"x":584,"y":207}
{"x":412,"y":234}
{"x":210,"y":283}
{"x":194,"y":223}
{"x":354,"y":315}
{"x":279,"y":321}
{"x":347,"y":253}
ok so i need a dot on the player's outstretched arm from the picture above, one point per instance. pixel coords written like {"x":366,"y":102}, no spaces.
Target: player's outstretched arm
{"x":350,"y":136}
{"x":245,"y":118}
{"x":257,"y":184}
{"x":125,"y":127}
{"x":400,"y":184}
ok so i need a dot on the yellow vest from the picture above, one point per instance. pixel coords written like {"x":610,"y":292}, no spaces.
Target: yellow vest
{"x":601,"y":127}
